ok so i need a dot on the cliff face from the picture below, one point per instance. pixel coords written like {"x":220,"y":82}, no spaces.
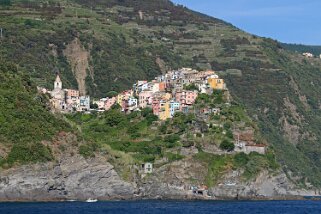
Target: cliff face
{"x":170,"y":182}
{"x":74,"y":178}
{"x":69,"y":178}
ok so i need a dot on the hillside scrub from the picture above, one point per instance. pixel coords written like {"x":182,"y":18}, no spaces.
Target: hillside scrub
{"x":25,"y":118}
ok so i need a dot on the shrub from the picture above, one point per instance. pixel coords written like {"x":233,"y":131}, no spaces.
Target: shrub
{"x":112,"y":94}
{"x":188,"y":143}
{"x":151,"y":118}
{"x":229,"y":134}
{"x":173,"y":157}
{"x":172,"y":138}
{"x":88,"y":150}
{"x":147,"y":111}
{"x":240,"y":159}
{"x":227,"y":145}
{"x":5,"y":2}
{"x":163,"y":129}
{"x":114,"y":118}
{"x":29,"y":152}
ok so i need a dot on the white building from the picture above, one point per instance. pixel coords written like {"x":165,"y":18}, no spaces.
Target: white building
{"x":58,"y":95}
{"x":147,"y":168}
{"x":84,"y":104}
{"x":308,"y":55}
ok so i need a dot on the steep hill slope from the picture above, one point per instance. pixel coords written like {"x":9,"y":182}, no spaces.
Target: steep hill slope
{"x":25,"y":120}
{"x":121,"y":41}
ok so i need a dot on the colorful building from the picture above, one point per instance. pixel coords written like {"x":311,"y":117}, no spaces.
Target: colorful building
{"x":162,"y":86}
{"x":109,"y":103}
{"x":84,"y":104}
{"x":140,"y":86}
{"x":167,"y":109}
{"x":216,"y":83}
{"x":174,"y":107}
{"x":123,"y":96}
{"x":164,"y":110}
{"x":145,"y":98}
{"x":129,"y":104}
{"x":156,"y":106}
{"x":186,"y":97}
{"x":72,"y":99}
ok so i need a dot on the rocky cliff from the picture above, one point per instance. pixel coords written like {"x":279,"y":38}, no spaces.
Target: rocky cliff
{"x":69,"y":178}
{"x":74,"y":178}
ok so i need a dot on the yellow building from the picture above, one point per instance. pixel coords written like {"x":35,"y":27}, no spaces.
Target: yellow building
{"x":216,"y":83}
{"x":123,"y":96}
{"x":164,"y":112}
{"x":119,"y":99}
{"x":167,"y":96}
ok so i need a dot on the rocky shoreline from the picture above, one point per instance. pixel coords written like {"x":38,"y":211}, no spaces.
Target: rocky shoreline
{"x":76,"y":178}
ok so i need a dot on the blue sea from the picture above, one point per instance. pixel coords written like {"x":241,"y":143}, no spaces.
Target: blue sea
{"x":167,"y":207}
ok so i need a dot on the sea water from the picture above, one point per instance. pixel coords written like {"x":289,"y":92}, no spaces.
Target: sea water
{"x":167,"y":207}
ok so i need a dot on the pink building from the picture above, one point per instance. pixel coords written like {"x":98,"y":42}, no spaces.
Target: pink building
{"x":100,"y":103}
{"x":186,"y":98}
{"x":156,"y":106}
{"x":109,"y":103}
{"x":72,"y":93}
{"x":145,"y":98}
{"x":72,"y":98}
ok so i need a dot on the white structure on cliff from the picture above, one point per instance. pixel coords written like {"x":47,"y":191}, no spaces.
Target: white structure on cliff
{"x":58,"y":95}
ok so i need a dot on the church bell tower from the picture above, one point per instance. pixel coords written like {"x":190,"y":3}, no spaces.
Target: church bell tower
{"x":58,"y":83}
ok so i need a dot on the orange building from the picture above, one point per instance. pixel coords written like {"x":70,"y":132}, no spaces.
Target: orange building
{"x":216,"y":83}
{"x":162,"y":86}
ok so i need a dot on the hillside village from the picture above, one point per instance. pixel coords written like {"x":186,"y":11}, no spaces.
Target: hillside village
{"x":175,"y":91}
{"x":168,"y":94}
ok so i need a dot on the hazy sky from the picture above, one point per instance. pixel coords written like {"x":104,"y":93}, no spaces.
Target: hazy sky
{"x":292,"y":21}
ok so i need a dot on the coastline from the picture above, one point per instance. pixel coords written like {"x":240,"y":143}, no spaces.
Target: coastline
{"x":186,"y":199}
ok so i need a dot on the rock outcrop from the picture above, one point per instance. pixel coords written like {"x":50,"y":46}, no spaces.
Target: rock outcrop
{"x":78,"y":58}
{"x":72,"y":178}
{"x":264,"y":186}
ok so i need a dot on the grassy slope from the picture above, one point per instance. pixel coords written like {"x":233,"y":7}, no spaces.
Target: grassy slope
{"x":25,"y":119}
{"x":124,"y":48}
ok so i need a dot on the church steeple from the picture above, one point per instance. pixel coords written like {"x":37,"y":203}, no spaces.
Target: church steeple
{"x":58,"y":83}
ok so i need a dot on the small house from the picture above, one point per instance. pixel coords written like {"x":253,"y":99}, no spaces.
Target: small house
{"x":147,"y":168}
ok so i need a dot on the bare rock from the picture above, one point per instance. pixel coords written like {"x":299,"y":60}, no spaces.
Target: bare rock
{"x":71,"y":178}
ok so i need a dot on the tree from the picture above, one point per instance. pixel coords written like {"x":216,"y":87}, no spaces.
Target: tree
{"x":227,"y":145}
{"x":5,"y":2}
{"x":112,"y":94}
{"x":146,"y":112}
{"x":191,"y":87}
{"x":93,"y":106}
{"x":114,"y":118}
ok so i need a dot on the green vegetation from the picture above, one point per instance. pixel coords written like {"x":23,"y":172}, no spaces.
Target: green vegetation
{"x":127,"y":133}
{"x":25,"y":119}
{"x":191,"y":87}
{"x":28,"y":153}
{"x":5,"y":2}
{"x":227,"y":145}
{"x":252,"y":165}
{"x":315,"y":50}
{"x":123,"y":48}
{"x":88,"y":150}
{"x":217,"y":165}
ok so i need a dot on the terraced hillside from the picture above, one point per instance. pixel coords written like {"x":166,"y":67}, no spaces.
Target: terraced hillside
{"x":120,"y":41}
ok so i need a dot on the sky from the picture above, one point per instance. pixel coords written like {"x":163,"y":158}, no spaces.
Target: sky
{"x":290,"y":21}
